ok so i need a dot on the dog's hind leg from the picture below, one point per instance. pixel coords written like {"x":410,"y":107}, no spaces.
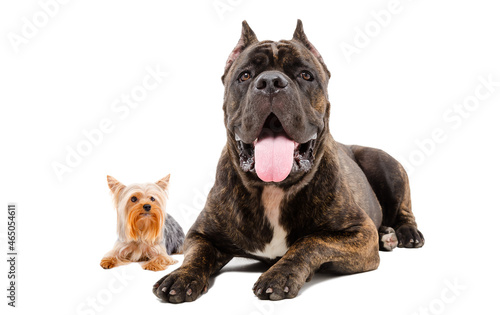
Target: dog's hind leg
{"x":390,"y":183}
{"x":387,"y":238}
{"x":174,"y":236}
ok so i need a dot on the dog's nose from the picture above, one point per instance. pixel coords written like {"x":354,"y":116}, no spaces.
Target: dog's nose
{"x":147,"y":207}
{"x":270,"y":82}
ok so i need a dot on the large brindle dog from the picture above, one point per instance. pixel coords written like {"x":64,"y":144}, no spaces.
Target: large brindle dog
{"x":285,"y":191}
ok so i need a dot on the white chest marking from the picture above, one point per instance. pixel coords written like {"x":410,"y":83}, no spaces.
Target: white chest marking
{"x":271,"y":200}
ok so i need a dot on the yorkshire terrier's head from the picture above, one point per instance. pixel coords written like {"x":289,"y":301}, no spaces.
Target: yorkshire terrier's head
{"x":141,"y":209}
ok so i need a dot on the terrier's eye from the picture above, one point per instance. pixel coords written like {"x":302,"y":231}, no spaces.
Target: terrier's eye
{"x":133,"y":199}
{"x":306,"y":75}
{"x":153,"y":199}
{"x":245,"y":75}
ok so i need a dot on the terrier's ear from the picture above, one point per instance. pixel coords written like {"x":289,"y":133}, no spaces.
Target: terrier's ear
{"x":114,"y":185}
{"x":301,"y":37}
{"x":247,"y":38}
{"x":163,"y":183}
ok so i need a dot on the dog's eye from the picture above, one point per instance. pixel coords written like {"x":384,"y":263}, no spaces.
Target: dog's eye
{"x":245,"y":75}
{"x":133,"y":199}
{"x":153,"y":199}
{"x":306,"y":75}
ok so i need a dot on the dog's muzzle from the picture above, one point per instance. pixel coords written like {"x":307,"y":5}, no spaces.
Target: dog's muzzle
{"x":274,"y":155}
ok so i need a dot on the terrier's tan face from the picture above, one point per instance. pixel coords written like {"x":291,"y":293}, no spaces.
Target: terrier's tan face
{"x":140,"y":209}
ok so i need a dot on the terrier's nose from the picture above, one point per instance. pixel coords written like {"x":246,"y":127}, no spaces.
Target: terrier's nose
{"x":147,"y":207}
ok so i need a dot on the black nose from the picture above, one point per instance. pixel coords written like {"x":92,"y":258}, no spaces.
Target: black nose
{"x":270,"y":82}
{"x":147,"y":207}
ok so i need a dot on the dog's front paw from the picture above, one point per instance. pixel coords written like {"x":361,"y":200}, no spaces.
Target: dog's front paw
{"x":277,"y":284}
{"x":109,"y":262}
{"x":409,"y":236}
{"x":159,"y":263}
{"x":182,"y":285}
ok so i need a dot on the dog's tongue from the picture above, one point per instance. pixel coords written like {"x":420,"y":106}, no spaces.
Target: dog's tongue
{"x":273,"y":156}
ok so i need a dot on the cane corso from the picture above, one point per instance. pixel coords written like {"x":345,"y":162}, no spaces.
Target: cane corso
{"x":285,"y":191}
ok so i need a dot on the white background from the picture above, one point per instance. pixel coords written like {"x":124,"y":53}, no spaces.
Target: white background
{"x":425,"y":62}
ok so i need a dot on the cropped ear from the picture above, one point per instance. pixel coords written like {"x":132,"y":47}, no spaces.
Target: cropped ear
{"x":114,"y":185}
{"x":301,"y":37}
{"x":247,"y":38}
{"x":163,"y":183}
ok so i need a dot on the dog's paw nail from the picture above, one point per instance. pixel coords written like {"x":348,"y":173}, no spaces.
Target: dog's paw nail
{"x":269,"y":290}
{"x":172,"y":292}
{"x":286,"y":289}
{"x":189,"y":292}
{"x":164,"y":289}
{"x":259,"y":291}
{"x":205,"y":289}
{"x":254,"y":286}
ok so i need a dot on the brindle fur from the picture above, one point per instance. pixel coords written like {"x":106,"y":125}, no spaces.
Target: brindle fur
{"x":331,"y":213}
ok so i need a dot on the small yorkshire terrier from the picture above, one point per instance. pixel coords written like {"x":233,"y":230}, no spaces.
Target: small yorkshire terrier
{"x":146,"y":233}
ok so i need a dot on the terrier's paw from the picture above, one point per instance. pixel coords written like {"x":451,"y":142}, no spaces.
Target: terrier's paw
{"x":182,"y":285}
{"x":159,"y":263}
{"x":409,"y":237}
{"x":277,"y":284}
{"x":388,"y":240}
{"x":109,"y":262}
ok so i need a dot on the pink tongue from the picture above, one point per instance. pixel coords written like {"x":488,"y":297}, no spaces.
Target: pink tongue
{"x":273,"y":156}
